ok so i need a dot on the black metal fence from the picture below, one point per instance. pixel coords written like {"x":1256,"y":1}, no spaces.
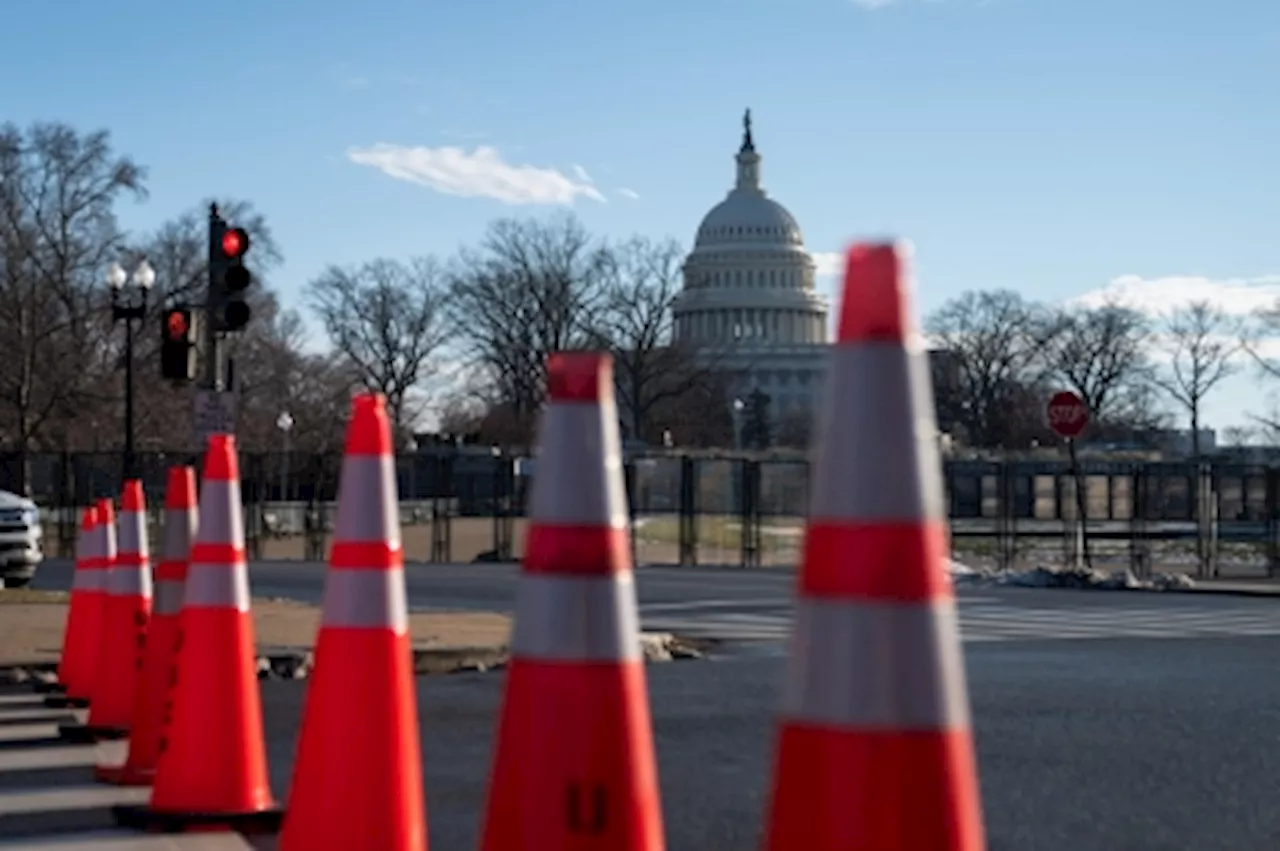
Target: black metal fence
{"x":469,"y":505}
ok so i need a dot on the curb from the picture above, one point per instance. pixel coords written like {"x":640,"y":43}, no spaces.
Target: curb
{"x":294,"y":663}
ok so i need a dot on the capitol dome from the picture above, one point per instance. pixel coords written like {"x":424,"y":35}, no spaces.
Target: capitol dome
{"x":749,"y":280}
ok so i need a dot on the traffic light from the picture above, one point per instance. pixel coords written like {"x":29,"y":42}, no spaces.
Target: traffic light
{"x":229,"y":279}
{"x":177,"y":344}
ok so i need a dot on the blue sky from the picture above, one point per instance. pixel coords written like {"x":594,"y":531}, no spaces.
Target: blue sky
{"x":1050,"y":146}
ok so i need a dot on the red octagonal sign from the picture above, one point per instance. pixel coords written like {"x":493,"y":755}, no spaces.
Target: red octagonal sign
{"x":1068,"y":414}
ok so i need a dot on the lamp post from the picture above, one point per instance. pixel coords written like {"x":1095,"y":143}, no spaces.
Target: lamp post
{"x":129,"y":303}
{"x":284,"y":422}
{"x":738,"y":407}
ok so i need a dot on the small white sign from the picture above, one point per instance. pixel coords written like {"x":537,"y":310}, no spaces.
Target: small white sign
{"x":213,"y":413}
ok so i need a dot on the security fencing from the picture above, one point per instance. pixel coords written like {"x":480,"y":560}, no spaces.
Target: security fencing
{"x":468,"y":505}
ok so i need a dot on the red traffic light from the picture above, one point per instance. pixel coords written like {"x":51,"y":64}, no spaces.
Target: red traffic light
{"x":235,"y":242}
{"x":177,"y":324}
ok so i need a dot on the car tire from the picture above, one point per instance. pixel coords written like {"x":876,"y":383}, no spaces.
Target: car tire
{"x":17,"y":581}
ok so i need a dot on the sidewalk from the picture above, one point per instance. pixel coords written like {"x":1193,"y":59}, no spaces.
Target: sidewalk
{"x":32,"y":625}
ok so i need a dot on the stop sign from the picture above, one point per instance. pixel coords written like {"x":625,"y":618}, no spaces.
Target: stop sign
{"x":1068,"y":415}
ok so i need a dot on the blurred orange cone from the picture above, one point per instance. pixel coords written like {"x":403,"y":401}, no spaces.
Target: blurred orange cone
{"x":127,"y":613}
{"x":160,"y":659}
{"x":212,"y":768}
{"x":368,"y":793}
{"x":84,"y":619}
{"x":875,"y":750}
{"x":106,"y":657}
{"x":574,"y":766}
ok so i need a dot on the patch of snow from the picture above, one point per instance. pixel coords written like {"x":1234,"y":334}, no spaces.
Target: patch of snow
{"x":1054,"y":576}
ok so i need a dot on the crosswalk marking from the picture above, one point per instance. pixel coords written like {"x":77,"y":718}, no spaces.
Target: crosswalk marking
{"x":986,"y":621}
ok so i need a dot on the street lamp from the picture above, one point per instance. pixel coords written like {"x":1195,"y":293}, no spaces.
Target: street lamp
{"x":129,"y":303}
{"x":284,"y":422}
{"x":738,"y":407}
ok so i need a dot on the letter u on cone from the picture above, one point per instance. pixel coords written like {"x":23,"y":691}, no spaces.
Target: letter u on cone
{"x":874,"y":751}
{"x":212,"y":769}
{"x":357,"y":780}
{"x":574,"y":767}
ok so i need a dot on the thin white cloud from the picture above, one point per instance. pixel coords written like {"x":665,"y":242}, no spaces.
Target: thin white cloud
{"x":829,"y":263}
{"x":482,"y":173}
{"x":629,"y":193}
{"x":581,"y":174}
{"x":1159,"y":296}
{"x":872,"y":4}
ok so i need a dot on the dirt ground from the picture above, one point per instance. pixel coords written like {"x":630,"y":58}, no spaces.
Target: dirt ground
{"x":32,"y":624}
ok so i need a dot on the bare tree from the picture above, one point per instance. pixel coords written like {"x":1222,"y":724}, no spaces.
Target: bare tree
{"x":58,"y":190}
{"x":1201,"y":342}
{"x":992,"y":341}
{"x":642,"y":279}
{"x":388,"y":319}
{"x":1100,"y":353}
{"x":531,"y":288}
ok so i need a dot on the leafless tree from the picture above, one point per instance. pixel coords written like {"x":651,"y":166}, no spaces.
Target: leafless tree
{"x":1201,"y":342}
{"x":993,"y":342}
{"x":1100,"y":353}
{"x":58,"y":190}
{"x":388,"y":319}
{"x":531,"y":288}
{"x":641,"y":281}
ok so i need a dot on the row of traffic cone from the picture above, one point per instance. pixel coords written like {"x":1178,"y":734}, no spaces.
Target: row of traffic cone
{"x":874,"y":748}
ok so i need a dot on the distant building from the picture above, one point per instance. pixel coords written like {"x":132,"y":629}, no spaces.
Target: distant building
{"x":749,"y":301}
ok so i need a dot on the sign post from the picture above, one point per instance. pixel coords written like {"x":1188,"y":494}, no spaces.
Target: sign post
{"x":1068,"y":417}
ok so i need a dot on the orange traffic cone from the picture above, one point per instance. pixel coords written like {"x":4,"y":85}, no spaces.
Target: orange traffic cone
{"x":104,"y":633}
{"x":874,"y":749}
{"x":127,"y":614}
{"x":574,"y":765}
{"x":212,"y":768}
{"x":160,"y":659}
{"x":84,"y":619}
{"x":367,"y":794}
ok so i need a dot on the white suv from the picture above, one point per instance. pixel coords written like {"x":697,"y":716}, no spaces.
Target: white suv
{"x":21,"y":540}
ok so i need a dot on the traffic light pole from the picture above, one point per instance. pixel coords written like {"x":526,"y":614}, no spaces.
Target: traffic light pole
{"x":213,"y":372}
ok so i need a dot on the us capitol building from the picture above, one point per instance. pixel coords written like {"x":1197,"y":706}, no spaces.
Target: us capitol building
{"x":748,"y":303}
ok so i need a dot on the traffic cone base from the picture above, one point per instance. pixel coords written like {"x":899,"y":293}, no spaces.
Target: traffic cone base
{"x":382,"y":809}
{"x":913,"y":779}
{"x":576,"y":769}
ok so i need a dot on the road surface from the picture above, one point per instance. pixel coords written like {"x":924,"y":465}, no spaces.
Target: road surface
{"x":1105,"y":721}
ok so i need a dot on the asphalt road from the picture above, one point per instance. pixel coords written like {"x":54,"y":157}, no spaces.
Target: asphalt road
{"x":1104,"y":721}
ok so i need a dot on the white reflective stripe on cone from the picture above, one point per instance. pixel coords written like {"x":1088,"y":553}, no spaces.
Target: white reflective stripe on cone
{"x":179,"y":533}
{"x":132,"y":535}
{"x":217,"y":586}
{"x":881,"y":665}
{"x":130,"y":580}
{"x":878,"y":438}
{"x":89,"y":580}
{"x":225,"y":526}
{"x":365,"y":598}
{"x":576,"y":619}
{"x":569,"y":485}
{"x":168,"y":596}
{"x":107,"y":543}
{"x":368,"y":506}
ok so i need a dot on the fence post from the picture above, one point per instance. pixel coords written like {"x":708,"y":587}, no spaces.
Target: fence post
{"x":441,"y":509}
{"x":749,"y":505}
{"x":688,"y":510}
